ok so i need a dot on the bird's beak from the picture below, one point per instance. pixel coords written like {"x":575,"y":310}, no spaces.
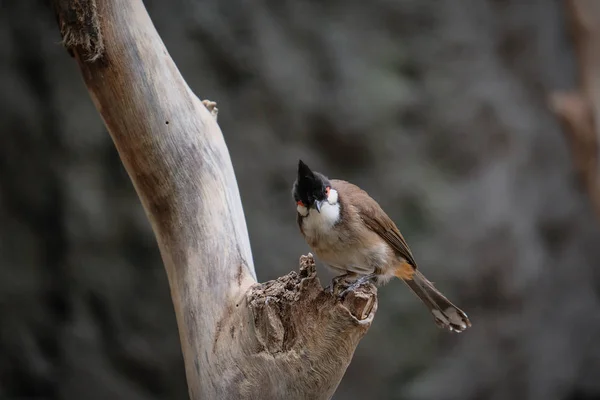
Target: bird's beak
{"x":318,"y":204}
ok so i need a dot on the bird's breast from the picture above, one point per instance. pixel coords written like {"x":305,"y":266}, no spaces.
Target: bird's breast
{"x":343,"y":245}
{"x":317,"y":224}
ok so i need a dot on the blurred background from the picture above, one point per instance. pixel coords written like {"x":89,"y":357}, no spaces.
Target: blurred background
{"x":439,"y":109}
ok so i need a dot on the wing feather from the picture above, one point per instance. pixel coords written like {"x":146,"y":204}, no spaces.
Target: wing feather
{"x":376,"y":219}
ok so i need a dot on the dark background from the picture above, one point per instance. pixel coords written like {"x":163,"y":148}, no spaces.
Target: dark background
{"x":437,"y":108}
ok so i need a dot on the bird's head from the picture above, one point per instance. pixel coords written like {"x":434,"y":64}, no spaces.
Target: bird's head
{"x":312,"y":189}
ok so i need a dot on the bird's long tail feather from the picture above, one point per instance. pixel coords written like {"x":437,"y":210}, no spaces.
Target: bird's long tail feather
{"x":446,"y":314}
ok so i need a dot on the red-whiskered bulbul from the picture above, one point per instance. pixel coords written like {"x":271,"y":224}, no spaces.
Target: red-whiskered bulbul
{"x":350,"y":233}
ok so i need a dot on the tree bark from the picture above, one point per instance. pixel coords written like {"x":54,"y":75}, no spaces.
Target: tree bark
{"x":286,"y":338}
{"x":579,"y":110}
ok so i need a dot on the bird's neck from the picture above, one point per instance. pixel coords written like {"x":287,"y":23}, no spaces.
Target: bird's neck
{"x":318,"y":223}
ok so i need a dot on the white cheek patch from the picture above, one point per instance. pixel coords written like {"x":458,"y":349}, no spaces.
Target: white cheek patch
{"x":330,"y":214}
{"x":333,"y":197}
{"x":302,"y":210}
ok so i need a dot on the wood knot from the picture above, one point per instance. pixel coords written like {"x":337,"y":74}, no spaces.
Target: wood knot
{"x":211,"y":106}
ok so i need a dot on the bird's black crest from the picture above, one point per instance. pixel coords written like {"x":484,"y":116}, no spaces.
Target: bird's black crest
{"x":310,"y":185}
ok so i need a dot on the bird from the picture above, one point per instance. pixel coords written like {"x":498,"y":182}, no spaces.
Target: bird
{"x":350,"y":233}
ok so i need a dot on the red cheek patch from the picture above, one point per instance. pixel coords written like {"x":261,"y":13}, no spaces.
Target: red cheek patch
{"x":300,"y":203}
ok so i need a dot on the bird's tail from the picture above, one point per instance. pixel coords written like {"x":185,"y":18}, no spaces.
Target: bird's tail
{"x":446,"y":314}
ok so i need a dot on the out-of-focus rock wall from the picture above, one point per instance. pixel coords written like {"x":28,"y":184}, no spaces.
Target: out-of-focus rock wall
{"x":438,"y":109}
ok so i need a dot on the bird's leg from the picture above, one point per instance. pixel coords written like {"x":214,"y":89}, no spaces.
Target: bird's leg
{"x":336,"y":280}
{"x":358,"y":282}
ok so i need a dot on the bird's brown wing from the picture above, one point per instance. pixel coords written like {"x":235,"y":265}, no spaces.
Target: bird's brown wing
{"x":376,"y":219}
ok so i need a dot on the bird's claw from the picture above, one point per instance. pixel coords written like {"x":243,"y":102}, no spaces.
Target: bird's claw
{"x":335,"y":282}
{"x":349,"y":289}
{"x":359,"y":282}
{"x":344,"y":292}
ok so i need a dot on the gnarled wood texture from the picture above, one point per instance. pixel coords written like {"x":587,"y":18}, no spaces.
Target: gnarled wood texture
{"x":283,"y":339}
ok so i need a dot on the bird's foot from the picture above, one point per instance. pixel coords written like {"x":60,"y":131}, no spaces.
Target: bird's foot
{"x":335,"y":282}
{"x":360,"y":281}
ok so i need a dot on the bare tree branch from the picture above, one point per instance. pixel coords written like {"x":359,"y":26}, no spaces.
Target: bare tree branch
{"x":283,"y":339}
{"x":579,"y":110}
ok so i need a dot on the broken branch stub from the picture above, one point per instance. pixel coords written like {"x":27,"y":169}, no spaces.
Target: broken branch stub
{"x":302,"y":337}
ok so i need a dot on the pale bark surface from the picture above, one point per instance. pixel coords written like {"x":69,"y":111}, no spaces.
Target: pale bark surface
{"x":283,"y":339}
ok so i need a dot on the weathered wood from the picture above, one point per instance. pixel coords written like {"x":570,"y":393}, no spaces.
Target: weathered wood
{"x":579,"y":110}
{"x":282,"y":339}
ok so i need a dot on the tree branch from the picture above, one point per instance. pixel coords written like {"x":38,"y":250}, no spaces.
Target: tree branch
{"x":282,"y":339}
{"x":579,"y":110}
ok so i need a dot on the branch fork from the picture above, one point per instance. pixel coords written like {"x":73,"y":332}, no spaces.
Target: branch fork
{"x":283,"y":339}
